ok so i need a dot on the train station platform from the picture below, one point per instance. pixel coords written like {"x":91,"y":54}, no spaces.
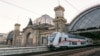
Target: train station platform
{"x":21,"y":50}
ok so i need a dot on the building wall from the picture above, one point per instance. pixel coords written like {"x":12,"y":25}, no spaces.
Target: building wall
{"x":3,"y":38}
{"x":37,"y":34}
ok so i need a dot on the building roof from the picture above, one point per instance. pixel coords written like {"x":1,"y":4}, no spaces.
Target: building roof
{"x":17,"y":24}
{"x":87,"y":19}
{"x":10,"y":35}
{"x":44,"y":19}
{"x":30,"y":22}
{"x":59,"y":8}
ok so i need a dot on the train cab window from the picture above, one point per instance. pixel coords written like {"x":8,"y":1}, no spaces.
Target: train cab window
{"x":74,"y":43}
{"x":59,"y":39}
{"x":53,"y":35}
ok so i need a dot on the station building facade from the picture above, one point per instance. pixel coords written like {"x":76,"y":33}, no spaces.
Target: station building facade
{"x":36,"y":32}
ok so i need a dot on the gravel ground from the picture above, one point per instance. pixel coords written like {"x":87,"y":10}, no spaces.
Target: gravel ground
{"x":95,"y":54}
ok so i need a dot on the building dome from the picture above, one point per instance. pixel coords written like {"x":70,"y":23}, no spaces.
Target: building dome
{"x":44,"y":19}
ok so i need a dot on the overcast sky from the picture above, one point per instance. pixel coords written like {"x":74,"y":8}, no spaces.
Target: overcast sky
{"x":19,"y":11}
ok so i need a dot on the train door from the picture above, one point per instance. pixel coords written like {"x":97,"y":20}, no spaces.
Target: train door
{"x":65,"y":41}
{"x":61,"y":40}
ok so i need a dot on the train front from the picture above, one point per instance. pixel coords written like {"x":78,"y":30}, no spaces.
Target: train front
{"x":51,"y":40}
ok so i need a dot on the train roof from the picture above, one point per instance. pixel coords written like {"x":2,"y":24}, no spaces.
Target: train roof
{"x":76,"y":36}
{"x":73,"y":36}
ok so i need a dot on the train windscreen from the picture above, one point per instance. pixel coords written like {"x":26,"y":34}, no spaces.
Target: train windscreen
{"x":51,"y":38}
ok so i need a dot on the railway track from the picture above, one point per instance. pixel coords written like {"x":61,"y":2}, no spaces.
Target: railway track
{"x":65,"y":52}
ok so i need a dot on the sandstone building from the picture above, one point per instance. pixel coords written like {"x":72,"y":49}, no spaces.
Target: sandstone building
{"x":36,"y":32}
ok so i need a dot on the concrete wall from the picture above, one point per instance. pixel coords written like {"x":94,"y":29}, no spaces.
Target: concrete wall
{"x":21,"y":50}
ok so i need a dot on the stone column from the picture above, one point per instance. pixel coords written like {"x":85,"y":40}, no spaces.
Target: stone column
{"x":23,"y":40}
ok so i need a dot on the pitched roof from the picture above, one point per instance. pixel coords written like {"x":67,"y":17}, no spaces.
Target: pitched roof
{"x":30,"y":22}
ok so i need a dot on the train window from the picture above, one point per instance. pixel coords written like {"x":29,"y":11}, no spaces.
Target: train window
{"x":65,"y":39}
{"x":51,"y":39}
{"x":74,"y":43}
{"x":87,"y":41}
{"x":53,"y":35}
{"x":59,"y":39}
{"x":70,"y":43}
{"x":83,"y":43}
{"x":75,"y":36}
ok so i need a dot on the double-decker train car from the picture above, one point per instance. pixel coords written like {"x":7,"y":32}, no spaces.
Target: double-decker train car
{"x":62,"y":40}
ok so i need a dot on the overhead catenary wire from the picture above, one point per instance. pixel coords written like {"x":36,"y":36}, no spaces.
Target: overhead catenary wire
{"x":71,"y":5}
{"x":96,"y":2}
{"x":7,"y":17}
{"x":9,"y":3}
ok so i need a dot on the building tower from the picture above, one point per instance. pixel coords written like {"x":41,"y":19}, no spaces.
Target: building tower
{"x":17,"y":27}
{"x":59,"y":18}
{"x":16,"y":34}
